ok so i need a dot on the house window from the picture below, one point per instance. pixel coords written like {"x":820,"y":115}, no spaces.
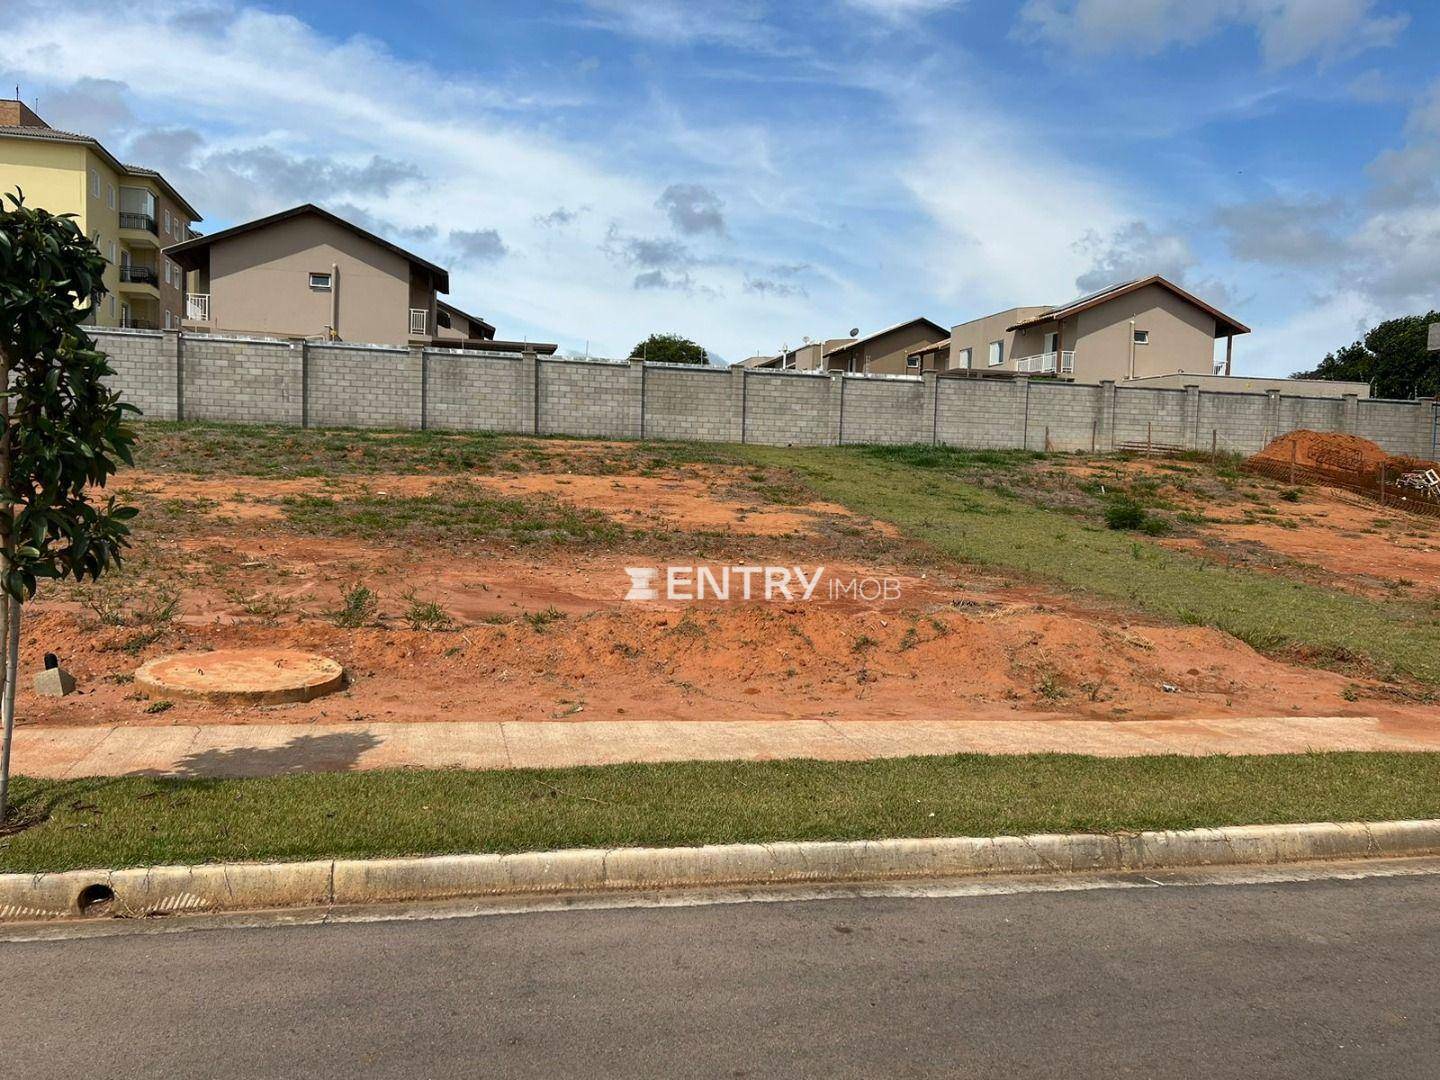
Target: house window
{"x":997,"y":353}
{"x":110,"y":196}
{"x":1142,"y":337}
{"x":112,"y":251}
{"x":912,"y":361}
{"x":94,"y":184}
{"x":167,"y":221}
{"x":320,"y":281}
{"x":962,"y":360}
{"x":417,"y":321}
{"x":442,"y":318}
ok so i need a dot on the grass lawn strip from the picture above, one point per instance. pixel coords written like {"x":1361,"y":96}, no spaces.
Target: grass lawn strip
{"x":113,"y":823}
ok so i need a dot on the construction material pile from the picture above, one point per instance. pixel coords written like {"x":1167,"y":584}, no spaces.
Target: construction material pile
{"x":1332,"y":451}
{"x":1352,"y":463}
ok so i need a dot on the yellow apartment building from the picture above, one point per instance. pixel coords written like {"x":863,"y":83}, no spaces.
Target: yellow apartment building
{"x":131,"y":213}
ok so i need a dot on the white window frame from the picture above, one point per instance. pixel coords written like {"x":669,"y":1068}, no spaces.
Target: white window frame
{"x":996,"y":357}
{"x":110,"y":196}
{"x":417,"y":326}
{"x":1142,"y":337}
{"x":167,"y":224}
{"x":912,"y":361}
{"x":320,"y":281}
{"x":967,"y":355}
{"x":95,"y":183}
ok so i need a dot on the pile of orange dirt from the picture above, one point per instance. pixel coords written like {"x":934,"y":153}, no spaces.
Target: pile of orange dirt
{"x":1336,"y":452}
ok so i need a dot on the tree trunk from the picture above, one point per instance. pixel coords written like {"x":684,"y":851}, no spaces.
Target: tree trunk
{"x":9,"y":609}
{"x":9,"y":630}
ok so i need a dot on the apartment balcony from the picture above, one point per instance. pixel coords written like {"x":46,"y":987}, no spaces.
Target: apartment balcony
{"x":1050,"y":363}
{"x":138,"y":281}
{"x":197,"y":307}
{"x":139,"y":229}
{"x":139,"y":322}
{"x":135,"y":274}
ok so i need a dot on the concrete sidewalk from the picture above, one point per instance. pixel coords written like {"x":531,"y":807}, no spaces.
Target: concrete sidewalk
{"x":276,"y":749}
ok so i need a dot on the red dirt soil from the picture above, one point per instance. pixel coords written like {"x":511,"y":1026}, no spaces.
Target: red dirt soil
{"x":544,"y":633}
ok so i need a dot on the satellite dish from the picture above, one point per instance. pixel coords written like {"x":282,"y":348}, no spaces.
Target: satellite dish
{"x":854,"y":331}
{"x":806,"y":339}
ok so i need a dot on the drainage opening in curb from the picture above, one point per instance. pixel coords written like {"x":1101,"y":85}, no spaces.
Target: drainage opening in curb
{"x":95,"y":899}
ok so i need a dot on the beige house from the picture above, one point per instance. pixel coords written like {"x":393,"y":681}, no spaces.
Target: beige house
{"x":306,"y":273}
{"x":885,"y":352}
{"x":1133,"y":330}
{"x":808,"y":357}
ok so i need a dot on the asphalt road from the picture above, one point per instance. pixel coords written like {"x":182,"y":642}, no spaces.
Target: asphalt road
{"x":1328,"y":978}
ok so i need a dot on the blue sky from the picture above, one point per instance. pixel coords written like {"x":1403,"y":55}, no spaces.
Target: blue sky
{"x":748,"y":173}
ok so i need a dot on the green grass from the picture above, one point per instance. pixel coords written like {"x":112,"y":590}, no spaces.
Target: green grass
{"x":459,"y":511}
{"x":261,"y":450}
{"x":918,"y":489}
{"x":139,"y":821}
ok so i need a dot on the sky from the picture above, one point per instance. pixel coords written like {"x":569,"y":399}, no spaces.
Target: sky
{"x":751,"y":173}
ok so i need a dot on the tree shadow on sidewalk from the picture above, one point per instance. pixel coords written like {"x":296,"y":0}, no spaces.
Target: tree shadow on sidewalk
{"x":333,"y":752}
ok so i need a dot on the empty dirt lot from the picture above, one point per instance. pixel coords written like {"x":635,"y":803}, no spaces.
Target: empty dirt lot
{"x":476,"y":577}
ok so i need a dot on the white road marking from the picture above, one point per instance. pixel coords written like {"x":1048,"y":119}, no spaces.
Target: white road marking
{"x":436,"y":911}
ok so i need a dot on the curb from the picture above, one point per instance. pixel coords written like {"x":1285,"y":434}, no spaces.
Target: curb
{"x":232,"y":886}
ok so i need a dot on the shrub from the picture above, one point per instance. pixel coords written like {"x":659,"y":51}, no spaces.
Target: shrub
{"x":1125,"y":514}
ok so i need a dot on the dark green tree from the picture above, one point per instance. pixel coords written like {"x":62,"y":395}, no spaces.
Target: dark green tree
{"x":1391,"y":357}
{"x":62,"y":431}
{"x":669,"y":349}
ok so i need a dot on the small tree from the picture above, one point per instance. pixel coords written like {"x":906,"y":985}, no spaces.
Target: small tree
{"x":62,"y":432}
{"x":669,"y":349}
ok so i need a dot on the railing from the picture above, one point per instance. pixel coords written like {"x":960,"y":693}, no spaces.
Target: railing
{"x":197,"y":307}
{"x":417,"y":321}
{"x":138,"y":221}
{"x":134,"y":322}
{"x":139,"y":275}
{"x":1044,"y":363}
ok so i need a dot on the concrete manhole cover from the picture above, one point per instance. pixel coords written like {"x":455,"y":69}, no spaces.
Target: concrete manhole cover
{"x":242,"y":676}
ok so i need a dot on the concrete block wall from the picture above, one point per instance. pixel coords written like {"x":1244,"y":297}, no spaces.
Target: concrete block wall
{"x":363,"y":386}
{"x":252,"y":380}
{"x":476,"y":392}
{"x":981,"y":414}
{"x":1239,"y":423}
{"x":1311,"y":413}
{"x":147,"y":369}
{"x":1154,"y":415}
{"x":883,"y":410}
{"x":685,"y":401}
{"x":1396,"y":426}
{"x":1066,"y":413}
{"x":787,"y":408}
{"x":213,"y":377}
{"x":589,"y":397}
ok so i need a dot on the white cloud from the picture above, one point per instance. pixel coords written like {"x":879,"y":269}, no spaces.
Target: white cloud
{"x":738,"y":23}
{"x":899,"y":10}
{"x":1289,"y":31}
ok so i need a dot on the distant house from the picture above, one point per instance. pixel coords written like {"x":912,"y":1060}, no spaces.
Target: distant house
{"x":452,"y":324}
{"x":807,"y":357}
{"x":885,"y":352}
{"x":1131,"y":330}
{"x":306,"y":273}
